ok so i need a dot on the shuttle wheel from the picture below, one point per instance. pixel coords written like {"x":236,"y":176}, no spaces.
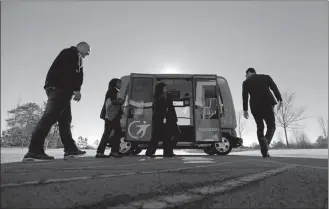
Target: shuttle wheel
{"x":223,"y":148}
{"x":125,"y":147}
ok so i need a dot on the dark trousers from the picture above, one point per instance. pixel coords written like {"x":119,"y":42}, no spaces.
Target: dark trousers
{"x":161,"y":132}
{"x":58,"y":109}
{"x":261,"y":114}
{"x":115,"y":139}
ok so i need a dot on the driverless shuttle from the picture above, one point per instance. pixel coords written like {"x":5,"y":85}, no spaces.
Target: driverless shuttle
{"x":204,"y":107}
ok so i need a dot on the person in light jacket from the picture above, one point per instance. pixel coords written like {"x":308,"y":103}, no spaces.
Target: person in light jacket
{"x":111,"y":114}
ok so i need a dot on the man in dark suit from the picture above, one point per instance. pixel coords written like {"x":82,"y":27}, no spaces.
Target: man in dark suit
{"x":63,"y":81}
{"x":262,"y":102}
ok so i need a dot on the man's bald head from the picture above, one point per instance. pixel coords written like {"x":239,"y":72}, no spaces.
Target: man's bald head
{"x":83,"y":48}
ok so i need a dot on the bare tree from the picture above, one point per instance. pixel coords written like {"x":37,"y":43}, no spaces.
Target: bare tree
{"x":240,"y":123}
{"x":302,"y":139}
{"x":278,"y":143}
{"x":289,"y":116}
{"x":323,"y":127}
{"x":296,"y":133}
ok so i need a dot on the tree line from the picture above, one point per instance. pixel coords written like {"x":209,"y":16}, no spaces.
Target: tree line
{"x":288,"y":118}
{"x":22,"y":120}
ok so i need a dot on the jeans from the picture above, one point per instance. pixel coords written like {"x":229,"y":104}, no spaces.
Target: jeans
{"x":115,"y":139}
{"x":58,"y":109}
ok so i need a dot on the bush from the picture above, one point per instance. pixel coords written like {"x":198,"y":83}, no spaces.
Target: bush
{"x":278,"y":145}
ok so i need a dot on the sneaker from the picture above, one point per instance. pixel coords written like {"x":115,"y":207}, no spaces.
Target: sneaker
{"x":100,"y":155}
{"x":32,"y":157}
{"x":116,"y":155}
{"x":74,"y":154}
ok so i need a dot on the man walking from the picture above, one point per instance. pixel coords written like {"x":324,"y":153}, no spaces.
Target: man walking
{"x":262,"y":103}
{"x":64,"y":80}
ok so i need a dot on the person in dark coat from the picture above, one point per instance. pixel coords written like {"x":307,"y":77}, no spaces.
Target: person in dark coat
{"x":164,"y":122}
{"x":111,"y":114}
{"x":262,"y":102}
{"x":63,"y":81}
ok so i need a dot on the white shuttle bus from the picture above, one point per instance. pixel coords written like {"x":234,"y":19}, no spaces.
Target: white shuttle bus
{"x":204,"y":107}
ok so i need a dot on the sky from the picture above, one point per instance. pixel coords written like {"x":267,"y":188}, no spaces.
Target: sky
{"x":285,"y":39}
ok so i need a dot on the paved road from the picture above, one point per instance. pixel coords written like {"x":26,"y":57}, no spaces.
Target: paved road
{"x":181,"y":182}
{"x":294,"y":153}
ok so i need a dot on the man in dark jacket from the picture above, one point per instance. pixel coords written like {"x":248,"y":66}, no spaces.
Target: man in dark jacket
{"x":262,"y":103}
{"x":64,"y":80}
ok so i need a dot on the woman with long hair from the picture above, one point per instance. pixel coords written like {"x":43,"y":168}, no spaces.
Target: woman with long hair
{"x":164,"y":122}
{"x":111,"y":114}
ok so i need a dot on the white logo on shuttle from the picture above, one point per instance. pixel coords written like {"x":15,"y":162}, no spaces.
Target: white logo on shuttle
{"x":141,"y":132}
{"x":208,"y":129}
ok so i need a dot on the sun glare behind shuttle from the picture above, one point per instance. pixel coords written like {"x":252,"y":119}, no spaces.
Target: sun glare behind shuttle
{"x":170,"y":70}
